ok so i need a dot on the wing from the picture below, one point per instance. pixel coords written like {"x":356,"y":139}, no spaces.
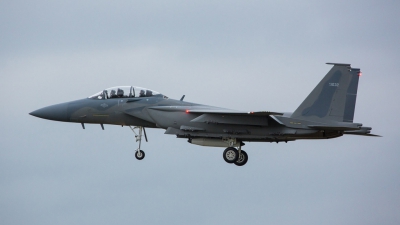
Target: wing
{"x":205,"y":121}
{"x":220,"y":115}
{"x":211,"y":110}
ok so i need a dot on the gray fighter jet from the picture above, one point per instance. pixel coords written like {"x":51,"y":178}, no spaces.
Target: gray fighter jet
{"x":327,"y":112}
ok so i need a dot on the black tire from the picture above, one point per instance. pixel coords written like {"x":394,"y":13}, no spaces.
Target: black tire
{"x":242,"y":160}
{"x":230,"y":155}
{"x":141,"y":156}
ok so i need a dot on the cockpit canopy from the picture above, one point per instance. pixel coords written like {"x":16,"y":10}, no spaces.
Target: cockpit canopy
{"x":124,"y":92}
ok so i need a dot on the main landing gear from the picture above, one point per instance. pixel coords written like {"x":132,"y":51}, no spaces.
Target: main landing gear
{"x":139,"y":154}
{"x":236,"y":156}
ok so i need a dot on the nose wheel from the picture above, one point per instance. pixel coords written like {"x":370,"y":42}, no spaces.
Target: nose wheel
{"x":139,"y":154}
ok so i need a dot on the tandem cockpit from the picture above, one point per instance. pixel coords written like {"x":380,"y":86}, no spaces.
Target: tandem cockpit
{"x":125,"y":92}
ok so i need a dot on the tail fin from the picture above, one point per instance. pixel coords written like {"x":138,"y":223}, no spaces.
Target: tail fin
{"x":334,"y":98}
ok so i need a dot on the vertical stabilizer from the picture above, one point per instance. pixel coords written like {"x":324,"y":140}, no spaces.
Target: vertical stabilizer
{"x":334,"y":98}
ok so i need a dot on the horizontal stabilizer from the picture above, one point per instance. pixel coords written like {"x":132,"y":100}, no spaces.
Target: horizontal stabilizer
{"x":361,"y":134}
{"x":323,"y":127}
{"x":365,"y":131}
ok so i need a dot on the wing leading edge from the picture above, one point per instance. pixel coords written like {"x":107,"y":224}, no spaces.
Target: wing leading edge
{"x":211,"y":110}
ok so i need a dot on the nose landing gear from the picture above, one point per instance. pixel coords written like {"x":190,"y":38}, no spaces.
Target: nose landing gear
{"x":139,"y":154}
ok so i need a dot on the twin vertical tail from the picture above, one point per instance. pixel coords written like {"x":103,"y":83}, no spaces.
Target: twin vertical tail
{"x":334,"y":98}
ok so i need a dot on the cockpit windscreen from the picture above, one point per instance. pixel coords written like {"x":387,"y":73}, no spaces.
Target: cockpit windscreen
{"x":124,"y":92}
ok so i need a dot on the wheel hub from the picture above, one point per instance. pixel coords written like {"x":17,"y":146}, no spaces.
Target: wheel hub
{"x":230,"y":155}
{"x":241,"y":158}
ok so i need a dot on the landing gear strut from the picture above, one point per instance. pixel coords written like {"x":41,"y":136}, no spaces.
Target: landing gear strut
{"x":242,"y":159}
{"x":139,"y":154}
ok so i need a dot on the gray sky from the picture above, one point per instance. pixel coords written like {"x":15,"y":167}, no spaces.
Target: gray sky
{"x":245,"y":55}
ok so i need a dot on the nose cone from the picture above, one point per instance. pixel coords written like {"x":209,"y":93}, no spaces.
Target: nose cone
{"x":54,"y":112}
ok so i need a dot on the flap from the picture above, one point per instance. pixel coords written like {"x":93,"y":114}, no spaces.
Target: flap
{"x":238,"y":119}
{"x":239,"y":113}
{"x":187,"y":128}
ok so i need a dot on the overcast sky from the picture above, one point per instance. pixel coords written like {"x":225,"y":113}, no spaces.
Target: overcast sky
{"x":244,"y":55}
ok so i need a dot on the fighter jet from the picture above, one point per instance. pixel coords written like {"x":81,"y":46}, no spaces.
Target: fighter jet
{"x":326,"y":113}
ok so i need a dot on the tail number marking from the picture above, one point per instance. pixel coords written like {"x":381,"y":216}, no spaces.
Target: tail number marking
{"x":333,"y":84}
